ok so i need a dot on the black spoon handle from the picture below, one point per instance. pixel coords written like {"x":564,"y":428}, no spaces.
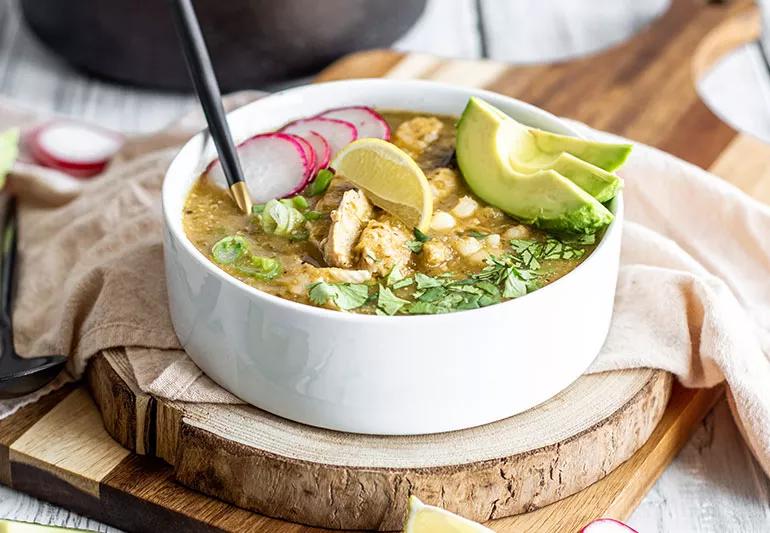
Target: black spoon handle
{"x":9,"y":232}
{"x":206,"y":86}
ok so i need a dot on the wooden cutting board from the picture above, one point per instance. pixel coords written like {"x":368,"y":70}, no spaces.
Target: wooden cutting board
{"x":59,"y":450}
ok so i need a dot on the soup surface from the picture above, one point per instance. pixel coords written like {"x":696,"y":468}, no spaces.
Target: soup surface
{"x":350,"y":255}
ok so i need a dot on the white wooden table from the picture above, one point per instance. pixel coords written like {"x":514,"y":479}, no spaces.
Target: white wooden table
{"x":714,"y":485}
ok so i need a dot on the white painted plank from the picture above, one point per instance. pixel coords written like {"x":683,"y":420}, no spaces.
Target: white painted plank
{"x":31,"y":74}
{"x":17,"y":506}
{"x":526,"y":31}
{"x":447,"y":28}
{"x":714,"y":485}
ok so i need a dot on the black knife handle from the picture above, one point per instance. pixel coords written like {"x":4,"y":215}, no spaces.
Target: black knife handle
{"x":8,"y":230}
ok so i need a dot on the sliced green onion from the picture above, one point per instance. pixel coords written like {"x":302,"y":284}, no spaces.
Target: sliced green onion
{"x":229,"y":249}
{"x":264,"y":268}
{"x":281,"y":219}
{"x":320,"y":183}
{"x":300,"y":202}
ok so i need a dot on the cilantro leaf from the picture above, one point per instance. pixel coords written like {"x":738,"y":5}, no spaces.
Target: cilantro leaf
{"x":513,"y":285}
{"x":321,"y":292}
{"x":425,"y":282}
{"x":351,"y":295}
{"x":402,"y":283}
{"x":477,"y":234}
{"x":419,"y":239}
{"x":346,"y":296}
{"x":389,"y":303}
{"x":393,"y":276}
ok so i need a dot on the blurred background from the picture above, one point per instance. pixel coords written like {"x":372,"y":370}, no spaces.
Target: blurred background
{"x":64,"y":57}
{"x":116,"y":63}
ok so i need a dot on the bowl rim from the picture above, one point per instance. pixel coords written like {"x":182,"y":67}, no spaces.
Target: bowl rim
{"x":177,"y":231}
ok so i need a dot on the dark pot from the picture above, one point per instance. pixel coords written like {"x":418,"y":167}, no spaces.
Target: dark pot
{"x":251,"y":41}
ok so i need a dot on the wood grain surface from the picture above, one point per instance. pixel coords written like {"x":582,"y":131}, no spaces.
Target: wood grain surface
{"x":343,"y":481}
{"x":710,"y":144}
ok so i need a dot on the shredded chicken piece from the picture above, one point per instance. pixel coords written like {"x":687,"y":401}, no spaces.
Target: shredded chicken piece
{"x":415,"y":135}
{"x":333,"y":196}
{"x":435,"y":254}
{"x":382,"y":246}
{"x":343,"y":275}
{"x":318,"y":230}
{"x":347,"y":221}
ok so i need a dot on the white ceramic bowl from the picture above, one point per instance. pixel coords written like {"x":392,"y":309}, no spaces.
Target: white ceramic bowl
{"x":373,"y":374}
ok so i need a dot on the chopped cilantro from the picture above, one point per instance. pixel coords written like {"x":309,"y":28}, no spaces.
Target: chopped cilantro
{"x":320,"y":183}
{"x":402,"y":283}
{"x":477,"y":234}
{"x":389,"y":303}
{"x":419,"y":239}
{"x":346,"y":296}
{"x":393,"y":276}
{"x":425,"y":282}
{"x":530,"y":253}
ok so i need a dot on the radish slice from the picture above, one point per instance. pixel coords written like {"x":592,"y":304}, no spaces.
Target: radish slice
{"x":367,"y":121}
{"x":338,"y":133}
{"x":309,"y":154}
{"x":274,"y":165}
{"x":322,"y":150}
{"x":76,"y":148}
{"x":607,"y":525}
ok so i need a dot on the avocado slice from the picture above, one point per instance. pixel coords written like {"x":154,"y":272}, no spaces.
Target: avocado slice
{"x":486,"y":142}
{"x":596,"y":181}
{"x":607,"y":156}
{"x":528,"y":157}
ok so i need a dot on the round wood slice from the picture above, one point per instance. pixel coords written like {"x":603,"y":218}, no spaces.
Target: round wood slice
{"x":338,"y":480}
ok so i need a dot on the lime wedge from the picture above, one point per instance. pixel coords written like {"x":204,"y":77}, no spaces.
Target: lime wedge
{"x":389,"y":178}
{"x":422,"y":518}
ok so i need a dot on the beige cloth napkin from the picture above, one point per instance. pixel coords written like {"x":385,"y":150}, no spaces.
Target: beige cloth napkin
{"x":693,"y":293}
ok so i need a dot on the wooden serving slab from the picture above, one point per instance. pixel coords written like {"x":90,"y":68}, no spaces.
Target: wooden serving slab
{"x":57,"y":449}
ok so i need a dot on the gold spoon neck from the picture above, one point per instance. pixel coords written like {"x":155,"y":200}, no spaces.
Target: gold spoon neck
{"x":240,"y":194}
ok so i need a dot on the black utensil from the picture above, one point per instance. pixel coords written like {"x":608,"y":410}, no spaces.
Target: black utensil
{"x":18,"y":376}
{"x":207,"y":88}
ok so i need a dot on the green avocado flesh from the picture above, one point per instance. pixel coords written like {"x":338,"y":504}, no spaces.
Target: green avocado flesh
{"x":607,"y":156}
{"x":504,"y":166}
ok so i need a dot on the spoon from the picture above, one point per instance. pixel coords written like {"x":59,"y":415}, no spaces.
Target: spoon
{"x":206,"y":86}
{"x":18,"y":375}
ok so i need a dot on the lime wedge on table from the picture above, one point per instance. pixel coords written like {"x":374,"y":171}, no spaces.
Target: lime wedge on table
{"x":422,"y":518}
{"x":389,"y":178}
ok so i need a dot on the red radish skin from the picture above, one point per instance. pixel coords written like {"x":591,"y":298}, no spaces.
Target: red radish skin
{"x":607,"y":525}
{"x":274,"y":166}
{"x":338,"y":133}
{"x":322,"y":150}
{"x":310,"y":154}
{"x":76,"y":148}
{"x":367,"y":121}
